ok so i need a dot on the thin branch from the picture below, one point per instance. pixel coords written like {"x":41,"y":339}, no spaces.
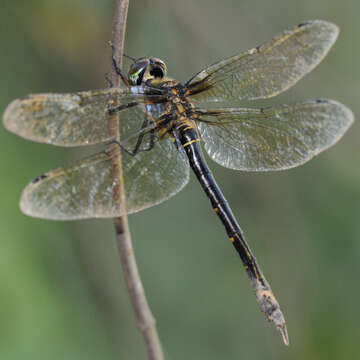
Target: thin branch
{"x":145,"y":320}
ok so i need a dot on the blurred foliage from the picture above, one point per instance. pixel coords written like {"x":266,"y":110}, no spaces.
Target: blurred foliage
{"x":62,"y":292}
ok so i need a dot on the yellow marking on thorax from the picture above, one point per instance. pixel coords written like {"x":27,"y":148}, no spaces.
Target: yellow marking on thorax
{"x":216,"y":209}
{"x":188,"y":128}
{"x":180,"y":108}
{"x":191,"y":142}
{"x":187,"y":121}
{"x":232,"y":239}
{"x":163,"y":132}
{"x":157,"y":81}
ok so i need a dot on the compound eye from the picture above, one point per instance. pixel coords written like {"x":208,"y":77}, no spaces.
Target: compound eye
{"x":157,"y":72}
{"x":137,"y":71}
{"x":158,"y":69}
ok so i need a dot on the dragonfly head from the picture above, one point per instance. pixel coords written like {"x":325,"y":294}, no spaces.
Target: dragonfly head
{"x":146,"y":68}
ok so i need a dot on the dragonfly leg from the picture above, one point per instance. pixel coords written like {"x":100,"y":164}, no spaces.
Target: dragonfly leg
{"x":152,"y":141}
{"x":122,"y":147}
{"x":139,"y":140}
{"x":121,"y":107}
{"x":117,"y":67}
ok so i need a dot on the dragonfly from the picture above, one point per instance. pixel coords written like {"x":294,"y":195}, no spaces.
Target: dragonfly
{"x":163,"y":123}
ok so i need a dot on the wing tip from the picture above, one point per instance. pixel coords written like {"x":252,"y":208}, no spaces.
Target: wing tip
{"x":29,"y":206}
{"x":25,"y":204}
{"x":347,"y":113}
{"x":9,"y":115}
{"x":326,"y":27}
{"x":346,"y":118}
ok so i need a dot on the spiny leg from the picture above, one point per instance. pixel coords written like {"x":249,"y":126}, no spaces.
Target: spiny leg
{"x":139,"y":140}
{"x":152,"y":140}
{"x":122,"y":107}
{"x":117,"y":67}
{"x":152,"y":132}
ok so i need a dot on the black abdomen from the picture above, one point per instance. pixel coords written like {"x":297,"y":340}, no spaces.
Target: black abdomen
{"x":190,"y":141}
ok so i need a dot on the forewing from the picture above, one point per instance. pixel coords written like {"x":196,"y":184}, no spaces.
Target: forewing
{"x":74,"y":119}
{"x":269,"y":69}
{"x":275,"y":138}
{"x":83,"y":190}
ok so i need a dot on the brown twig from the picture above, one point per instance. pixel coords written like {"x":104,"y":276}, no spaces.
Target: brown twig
{"x":145,"y":320}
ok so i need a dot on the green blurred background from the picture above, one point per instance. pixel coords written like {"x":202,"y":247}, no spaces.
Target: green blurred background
{"x":62,"y":291}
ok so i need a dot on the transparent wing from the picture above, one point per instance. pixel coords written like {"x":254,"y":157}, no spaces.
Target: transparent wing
{"x":273,"y":138}
{"x":74,"y":119}
{"x":269,"y":69}
{"x":83,"y":190}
